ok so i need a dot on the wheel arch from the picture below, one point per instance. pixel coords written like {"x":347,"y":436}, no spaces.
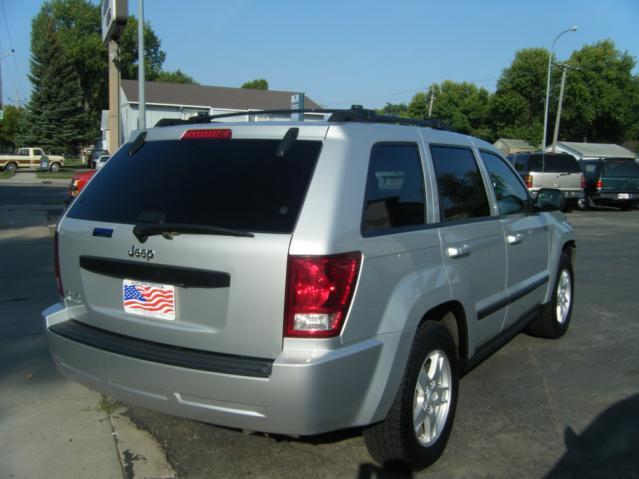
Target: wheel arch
{"x":453,"y":316}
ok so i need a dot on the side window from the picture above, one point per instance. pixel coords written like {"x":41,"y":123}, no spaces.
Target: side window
{"x":511,"y":195}
{"x":37,"y":151}
{"x":23,"y":152}
{"x":589,"y":168}
{"x":461,"y":189}
{"x":394,"y":188}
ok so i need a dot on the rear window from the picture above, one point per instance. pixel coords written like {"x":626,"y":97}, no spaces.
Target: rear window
{"x":620,"y":169}
{"x":237,"y":184}
{"x":554,"y":163}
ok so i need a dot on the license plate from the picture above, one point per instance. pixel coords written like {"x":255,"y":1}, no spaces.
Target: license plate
{"x":623,"y":196}
{"x":151,"y":300}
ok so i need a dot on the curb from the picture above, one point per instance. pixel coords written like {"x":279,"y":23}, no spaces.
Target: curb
{"x":139,"y":454}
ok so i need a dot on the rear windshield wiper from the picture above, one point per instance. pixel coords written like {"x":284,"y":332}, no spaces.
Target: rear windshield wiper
{"x":168,"y":230}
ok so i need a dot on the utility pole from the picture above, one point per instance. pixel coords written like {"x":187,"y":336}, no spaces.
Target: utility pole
{"x":141,"y":75}
{"x":564,"y":67}
{"x":114,"y":98}
{"x":430,"y":106}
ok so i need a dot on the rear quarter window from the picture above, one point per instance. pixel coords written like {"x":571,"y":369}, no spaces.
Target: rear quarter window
{"x":554,"y":163}
{"x":236,"y":184}
{"x":395,"y":195}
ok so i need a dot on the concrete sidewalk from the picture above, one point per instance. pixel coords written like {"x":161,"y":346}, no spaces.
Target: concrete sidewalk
{"x":30,"y":178}
{"x":49,"y":426}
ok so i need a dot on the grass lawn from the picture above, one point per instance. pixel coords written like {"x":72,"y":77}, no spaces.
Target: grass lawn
{"x":6,"y":174}
{"x":64,"y":174}
{"x":72,"y":162}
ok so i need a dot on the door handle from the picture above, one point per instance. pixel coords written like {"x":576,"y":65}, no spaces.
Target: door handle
{"x":458,"y":251}
{"x":514,"y":239}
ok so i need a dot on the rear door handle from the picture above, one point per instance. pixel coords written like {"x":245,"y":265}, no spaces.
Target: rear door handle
{"x":458,"y":251}
{"x":514,"y":239}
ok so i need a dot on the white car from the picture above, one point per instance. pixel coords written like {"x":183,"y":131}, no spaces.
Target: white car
{"x":101,"y":161}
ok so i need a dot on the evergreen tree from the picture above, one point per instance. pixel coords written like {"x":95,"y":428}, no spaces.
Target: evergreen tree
{"x":54,"y":118}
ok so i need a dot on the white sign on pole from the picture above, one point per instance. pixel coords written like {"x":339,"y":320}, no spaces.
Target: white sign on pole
{"x":114,"y":17}
{"x":297,"y":103}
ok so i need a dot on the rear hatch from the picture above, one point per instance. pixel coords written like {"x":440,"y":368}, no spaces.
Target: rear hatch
{"x":559,"y":171}
{"x":185,"y":241}
{"x":620,"y":176}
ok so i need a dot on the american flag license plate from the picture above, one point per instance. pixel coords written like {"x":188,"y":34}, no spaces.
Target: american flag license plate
{"x":149,"y":299}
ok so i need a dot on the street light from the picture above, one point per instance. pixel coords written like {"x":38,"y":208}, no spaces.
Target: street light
{"x":571,"y":29}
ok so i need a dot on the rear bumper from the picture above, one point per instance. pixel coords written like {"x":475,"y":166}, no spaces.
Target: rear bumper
{"x":568,"y":194}
{"x":615,"y":196}
{"x":307,"y":392}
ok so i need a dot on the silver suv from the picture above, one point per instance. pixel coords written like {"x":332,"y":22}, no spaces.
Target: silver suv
{"x":305,"y":277}
{"x":551,"y":170}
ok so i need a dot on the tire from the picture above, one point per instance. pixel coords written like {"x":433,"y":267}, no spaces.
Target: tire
{"x":10,"y":167}
{"x":626,"y":206}
{"x":54,"y":167}
{"x":395,"y":440}
{"x":555,"y":316}
{"x":582,"y":204}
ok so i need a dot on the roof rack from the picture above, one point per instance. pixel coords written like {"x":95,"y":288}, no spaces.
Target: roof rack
{"x":355,"y":114}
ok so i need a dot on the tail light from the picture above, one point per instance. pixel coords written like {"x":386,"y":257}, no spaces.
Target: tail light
{"x":528,"y":181}
{"x":599,"y":184}
{"x":319,"y":291}
{"x":56,"y":264}
{"x":582,"y":182}
{"x":211,"y":134}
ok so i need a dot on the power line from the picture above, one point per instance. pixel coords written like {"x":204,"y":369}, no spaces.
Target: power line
{"x":15,"y":62}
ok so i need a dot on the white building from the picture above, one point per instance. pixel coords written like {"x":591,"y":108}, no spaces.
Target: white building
{"x":591,"y":151}
{"x":177,"y":100}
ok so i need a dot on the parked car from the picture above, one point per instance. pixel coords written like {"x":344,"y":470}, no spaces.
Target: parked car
{"x":611,"y":182}
{"x":97,"y":153}
{"x":551,"y":170}
{"x":101,"y":161}
{"x":30,"y":158}
{"x":308,"y":277}
{"x":78,"y":182}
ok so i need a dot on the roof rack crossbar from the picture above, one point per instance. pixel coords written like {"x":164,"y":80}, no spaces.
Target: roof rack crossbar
{"x":355,"y":114}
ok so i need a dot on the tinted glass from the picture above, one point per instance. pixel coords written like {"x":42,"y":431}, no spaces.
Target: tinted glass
{"x":461,"y":189}
{"x":394,"y":188}
{"x":554,"y":163}
{"x":511,"y":195}
{"x":620,"y":169}
{"x":237,"y":184}
{"x":589,"y":168}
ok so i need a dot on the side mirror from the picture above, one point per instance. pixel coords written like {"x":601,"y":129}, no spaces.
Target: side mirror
{"x":549,"y":199}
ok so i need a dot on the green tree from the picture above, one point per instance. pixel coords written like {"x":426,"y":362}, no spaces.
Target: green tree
{"x":176,"y":76}
{"x":9,"y":127}
{"x":602,"y":96}
{"x":54,"y":117}
{"x":257,"y":84}
{"x":128,"y":56}
{"x":462,"y":106}
{"x":517,"y":107}
{"x":77,"y":25}
{"x":394,"y":109}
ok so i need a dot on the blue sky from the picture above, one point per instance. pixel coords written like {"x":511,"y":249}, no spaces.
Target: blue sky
{"x":344,"y":52}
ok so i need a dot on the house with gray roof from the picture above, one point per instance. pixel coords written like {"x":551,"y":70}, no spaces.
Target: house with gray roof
{"x":177,"y":100}
{"x":592,"y":151}
{"x":508,"y":146}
